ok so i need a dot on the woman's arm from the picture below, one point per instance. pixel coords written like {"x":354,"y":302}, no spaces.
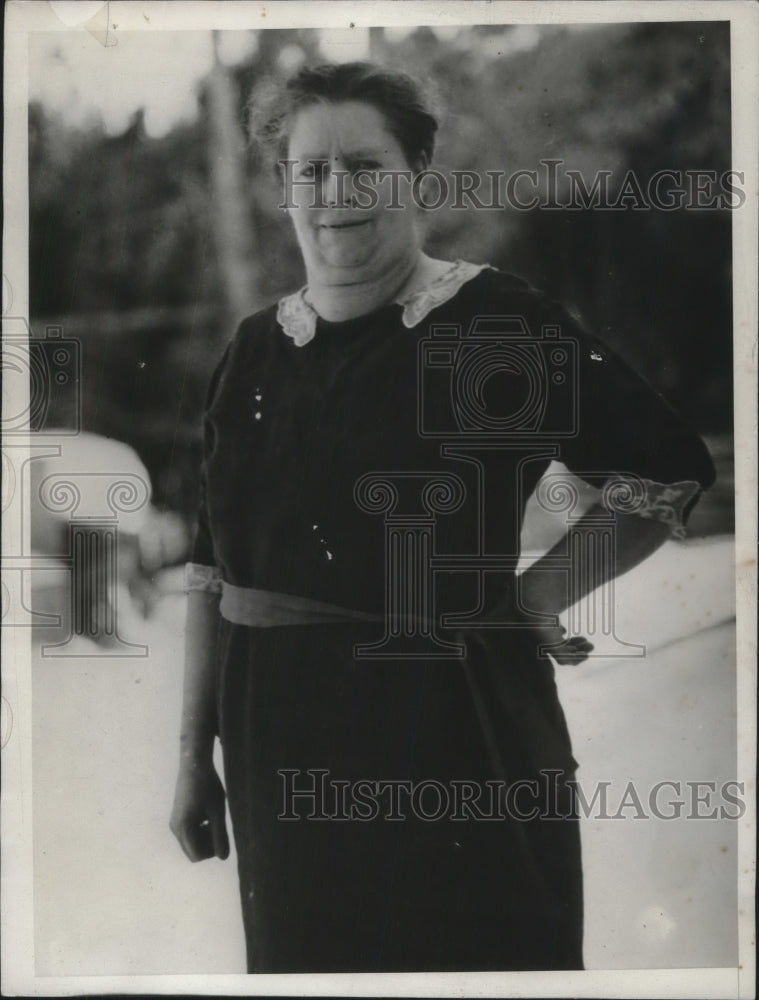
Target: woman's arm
{"x":543,"y":588}
{"x":198,"y":815}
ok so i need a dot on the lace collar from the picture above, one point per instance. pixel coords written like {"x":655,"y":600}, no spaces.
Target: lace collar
{"x":298,"y":318}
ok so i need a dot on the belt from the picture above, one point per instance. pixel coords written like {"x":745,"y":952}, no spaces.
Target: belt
{"x":268,"y":608}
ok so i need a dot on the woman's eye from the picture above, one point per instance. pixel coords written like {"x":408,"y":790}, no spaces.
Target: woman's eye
{"x":365,"y":165}
{"x":312,"y":169}
{"x":306,"y":172}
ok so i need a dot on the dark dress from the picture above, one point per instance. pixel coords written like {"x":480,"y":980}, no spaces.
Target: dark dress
{"x":290,"y":433}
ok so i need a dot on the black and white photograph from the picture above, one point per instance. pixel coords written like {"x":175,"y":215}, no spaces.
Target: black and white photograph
{"x":379,"y":498}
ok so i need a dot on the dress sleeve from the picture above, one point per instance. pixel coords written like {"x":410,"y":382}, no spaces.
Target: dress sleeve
{"x":202,"y":571}
{"x":629,"y":441}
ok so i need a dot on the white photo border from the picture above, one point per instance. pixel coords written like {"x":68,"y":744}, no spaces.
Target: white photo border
{"x":26,"y":18}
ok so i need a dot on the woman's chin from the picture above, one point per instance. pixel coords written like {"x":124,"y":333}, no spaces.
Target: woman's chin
{"x":346,"y":263}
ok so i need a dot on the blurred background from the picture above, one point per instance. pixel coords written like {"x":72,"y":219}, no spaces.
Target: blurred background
{"x":154,"y":229}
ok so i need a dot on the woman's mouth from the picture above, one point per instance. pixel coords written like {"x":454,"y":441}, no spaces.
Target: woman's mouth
{"x":343,"y":225}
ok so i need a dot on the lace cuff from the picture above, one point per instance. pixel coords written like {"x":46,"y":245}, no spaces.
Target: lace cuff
{"x":199,"y":577}
{"x":669,"y":503}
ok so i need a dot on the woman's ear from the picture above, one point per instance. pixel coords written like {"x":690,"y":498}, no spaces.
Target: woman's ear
{"x":421,"y":163}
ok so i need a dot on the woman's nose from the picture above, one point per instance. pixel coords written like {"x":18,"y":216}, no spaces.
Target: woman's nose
{"x":330,"y":185}
{"x":336,"y":186}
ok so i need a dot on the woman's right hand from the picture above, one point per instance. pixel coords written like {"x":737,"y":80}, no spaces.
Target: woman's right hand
{"x":198,"y":816}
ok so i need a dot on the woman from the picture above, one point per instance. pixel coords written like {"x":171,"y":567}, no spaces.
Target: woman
{"x":324,"y":409}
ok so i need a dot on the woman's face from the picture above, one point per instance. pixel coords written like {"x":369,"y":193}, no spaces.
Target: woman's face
{"x":343,"y":243}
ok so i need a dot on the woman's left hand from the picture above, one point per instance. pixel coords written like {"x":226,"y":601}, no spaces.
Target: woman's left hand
{"x":549,"y":639}
{"x":553,"y":639}
{"x":545,"y":593}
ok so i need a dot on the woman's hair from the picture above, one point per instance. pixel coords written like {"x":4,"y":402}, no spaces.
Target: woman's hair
{"x":408,"y":112}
